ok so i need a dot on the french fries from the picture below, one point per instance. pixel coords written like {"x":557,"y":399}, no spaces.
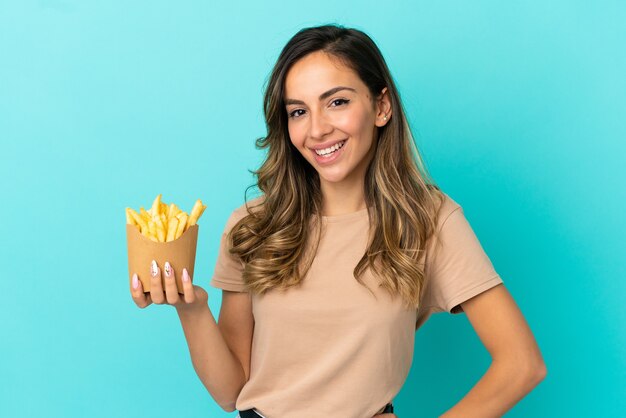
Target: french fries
{"x":163,"y":222}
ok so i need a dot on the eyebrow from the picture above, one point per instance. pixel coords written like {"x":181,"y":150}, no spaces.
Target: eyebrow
{"x":323,"y":96}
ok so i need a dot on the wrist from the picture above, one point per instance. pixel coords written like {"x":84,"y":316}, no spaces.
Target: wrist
{"x":192,"y":310}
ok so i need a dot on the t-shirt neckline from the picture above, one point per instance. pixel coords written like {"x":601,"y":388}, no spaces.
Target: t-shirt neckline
{"x":346,"y":216}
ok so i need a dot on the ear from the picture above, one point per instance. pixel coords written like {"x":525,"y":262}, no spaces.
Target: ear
{"x":383,"y":108}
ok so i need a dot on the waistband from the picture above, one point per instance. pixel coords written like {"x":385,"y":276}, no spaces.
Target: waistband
{"x":252,"y":413}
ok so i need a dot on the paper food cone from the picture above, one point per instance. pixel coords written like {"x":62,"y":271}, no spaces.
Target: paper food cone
{"x":181,"y":253}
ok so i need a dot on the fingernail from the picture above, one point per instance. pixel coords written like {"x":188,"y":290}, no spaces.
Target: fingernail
{"x":185,"y":275}
{"x":154,"y":269}
{"x":167,"y":269}
{"x":135,"y":281}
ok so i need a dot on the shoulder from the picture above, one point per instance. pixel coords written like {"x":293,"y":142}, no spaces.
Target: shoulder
{"x":448,"y":207}
{"x":447,"y":214}
{"x":242,"y":211}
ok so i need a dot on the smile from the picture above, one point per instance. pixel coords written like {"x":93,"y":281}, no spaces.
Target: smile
{"x":330,"y":150}
{"x":330,"y":154}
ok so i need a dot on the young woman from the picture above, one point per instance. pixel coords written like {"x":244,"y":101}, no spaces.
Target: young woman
{"x":349,"y":249}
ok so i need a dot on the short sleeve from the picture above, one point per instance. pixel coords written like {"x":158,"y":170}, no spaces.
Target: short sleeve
{"x":228,"y":273}
{"x":457,"y":268}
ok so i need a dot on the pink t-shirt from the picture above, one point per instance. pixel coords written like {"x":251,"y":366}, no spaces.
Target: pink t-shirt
{"x":330,"y":348}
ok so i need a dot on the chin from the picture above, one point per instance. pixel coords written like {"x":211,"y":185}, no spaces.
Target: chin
{"x":330,"y":178}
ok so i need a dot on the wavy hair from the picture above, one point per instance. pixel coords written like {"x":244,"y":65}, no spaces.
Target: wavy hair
{"x":403,"y":201}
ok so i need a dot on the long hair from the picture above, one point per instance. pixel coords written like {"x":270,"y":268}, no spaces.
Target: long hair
{"x":403,"y":201}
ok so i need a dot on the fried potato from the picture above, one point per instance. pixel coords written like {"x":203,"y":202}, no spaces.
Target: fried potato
{"x":156,"y":206}
{"x":182,"y":224}
{"x":171,"y":229}
{"x":160,"y":228}
{"x":137,"y":219}
{"x":196,"y":212}
{"x":129,"y":217}
{"x":163,"y":222}
{"x":153,"y":230}
{"x":144,"y":214}
{"x":173,"y":210}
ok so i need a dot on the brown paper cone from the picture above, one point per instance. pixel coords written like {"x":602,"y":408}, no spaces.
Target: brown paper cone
{"x":181,"y":253}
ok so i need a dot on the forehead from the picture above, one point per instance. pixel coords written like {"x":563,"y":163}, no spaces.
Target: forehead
{"x":316,"y":73}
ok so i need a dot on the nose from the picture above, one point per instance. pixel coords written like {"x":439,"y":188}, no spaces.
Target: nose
{"x":320,"y":126}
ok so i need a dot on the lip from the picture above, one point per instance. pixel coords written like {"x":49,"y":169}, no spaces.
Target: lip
{"x":326,"y":145}
{"x":337,"y":154}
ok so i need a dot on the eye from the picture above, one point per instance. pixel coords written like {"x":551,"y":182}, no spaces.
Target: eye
{"x":341,"y":101}
{"x":295,"y":114}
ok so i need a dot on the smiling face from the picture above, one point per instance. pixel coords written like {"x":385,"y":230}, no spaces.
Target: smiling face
{"x":331,"y":110}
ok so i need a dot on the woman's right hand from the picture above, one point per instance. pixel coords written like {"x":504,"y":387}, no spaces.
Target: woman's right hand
{"x":193,"y":296}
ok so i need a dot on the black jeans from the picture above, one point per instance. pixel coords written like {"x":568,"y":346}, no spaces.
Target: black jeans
{"x":249,"y":413}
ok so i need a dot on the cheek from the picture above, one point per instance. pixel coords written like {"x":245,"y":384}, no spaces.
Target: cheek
{"x":355,"y":123}
{"x":296,"y":135}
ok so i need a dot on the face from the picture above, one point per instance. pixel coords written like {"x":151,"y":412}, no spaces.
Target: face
{"x":331,"y":110}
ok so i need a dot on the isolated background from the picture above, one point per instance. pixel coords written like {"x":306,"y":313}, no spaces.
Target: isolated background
{"x":518,"y":108}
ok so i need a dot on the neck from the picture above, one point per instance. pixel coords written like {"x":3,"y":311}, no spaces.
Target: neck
{"x":340,"y":198}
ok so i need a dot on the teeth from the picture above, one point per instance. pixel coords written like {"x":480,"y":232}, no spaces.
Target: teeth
{"x":328,"y":150}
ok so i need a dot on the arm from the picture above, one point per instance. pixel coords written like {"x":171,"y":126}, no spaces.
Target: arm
{"x":220,"y":353}
{"x":216,"y":366}
{"x":517,"y":365}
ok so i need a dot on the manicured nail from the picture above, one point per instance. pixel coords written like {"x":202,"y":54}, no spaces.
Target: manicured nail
{"x":154,"y":269}
{"x":135,"y":281}
{"x":185,"y":275}
{"x":167,"y":269}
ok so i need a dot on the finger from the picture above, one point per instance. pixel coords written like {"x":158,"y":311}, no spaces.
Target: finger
{"x":139,"y":297}
{"x":171,"y":291}
{"x":189,"y":292}
{"x":156,"y":288}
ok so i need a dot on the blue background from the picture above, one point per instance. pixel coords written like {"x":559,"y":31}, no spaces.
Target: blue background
{"x":518,"y":108}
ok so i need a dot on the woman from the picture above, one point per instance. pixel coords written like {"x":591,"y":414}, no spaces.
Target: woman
{"x":347,"y":252}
